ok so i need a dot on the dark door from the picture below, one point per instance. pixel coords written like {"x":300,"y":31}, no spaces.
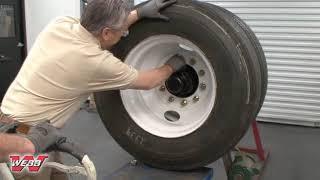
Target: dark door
{"x":11,"y":42}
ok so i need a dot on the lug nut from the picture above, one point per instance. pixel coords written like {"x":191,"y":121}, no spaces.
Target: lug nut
{"x":196,"y":98}
{"x":184,"y":102}
{"x":202,"y":72}
{"x":203,"y":86}
{"x":171,"y":99}
{"x":192,"y":61}
{"x":162,"y":88}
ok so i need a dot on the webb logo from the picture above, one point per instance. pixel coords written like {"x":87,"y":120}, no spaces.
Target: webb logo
{"x":18,"y":163}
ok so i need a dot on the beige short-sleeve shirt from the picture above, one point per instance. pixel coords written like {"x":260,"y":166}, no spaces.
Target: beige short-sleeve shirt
{"x":64,"y":66}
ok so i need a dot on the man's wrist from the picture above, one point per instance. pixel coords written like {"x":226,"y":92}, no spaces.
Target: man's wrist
{"x":169,"y":68}
{"x":132,"y":18}
{"x":134,"y":14}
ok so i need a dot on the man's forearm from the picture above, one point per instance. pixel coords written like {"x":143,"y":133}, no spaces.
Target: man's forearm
{"x":10,"y":144}
{"x":150,"y":79}
{"x":132,"y":18}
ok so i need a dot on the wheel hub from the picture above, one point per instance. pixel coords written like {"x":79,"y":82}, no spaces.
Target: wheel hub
{"x":183,"y":83}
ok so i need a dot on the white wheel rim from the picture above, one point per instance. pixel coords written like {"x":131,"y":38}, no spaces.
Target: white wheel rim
{"x":147,"y":108}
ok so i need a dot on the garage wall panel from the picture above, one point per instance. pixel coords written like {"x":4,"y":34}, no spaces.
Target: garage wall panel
{"x":289,"y":32}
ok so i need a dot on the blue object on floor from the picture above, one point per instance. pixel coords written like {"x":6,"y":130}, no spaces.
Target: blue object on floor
{"x":144,"y":172}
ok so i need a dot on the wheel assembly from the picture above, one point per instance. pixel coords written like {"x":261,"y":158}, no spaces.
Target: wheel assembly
{"x":202,"y":110}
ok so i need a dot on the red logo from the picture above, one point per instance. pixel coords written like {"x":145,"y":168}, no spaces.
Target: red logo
{"x":33,"y":164}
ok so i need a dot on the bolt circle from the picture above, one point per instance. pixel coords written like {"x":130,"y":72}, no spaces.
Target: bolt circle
{"x":162,"y":88}
{"x":203,"y":86}
{"x":171,"y":99}
{"x":196,"y":98}
{"x":202,"y":72}
{"x":192,"y":61}
{"x":184,"y":102}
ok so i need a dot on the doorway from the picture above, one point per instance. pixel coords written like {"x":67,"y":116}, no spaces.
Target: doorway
{"x":11,"y":42}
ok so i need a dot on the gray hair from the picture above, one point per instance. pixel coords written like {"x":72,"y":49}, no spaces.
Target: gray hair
{"x":99,"y":14}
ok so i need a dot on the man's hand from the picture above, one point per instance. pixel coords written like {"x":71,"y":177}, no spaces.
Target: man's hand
{"x":44,"y":136}
{"x":152,"y":8}
{"x":176,"y":62}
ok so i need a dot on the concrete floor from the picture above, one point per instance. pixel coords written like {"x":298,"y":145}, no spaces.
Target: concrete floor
{"x":294,"y":150}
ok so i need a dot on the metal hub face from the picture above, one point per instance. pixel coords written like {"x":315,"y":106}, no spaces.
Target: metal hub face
{"x":183,"y":103}
{"x":183,"y":83}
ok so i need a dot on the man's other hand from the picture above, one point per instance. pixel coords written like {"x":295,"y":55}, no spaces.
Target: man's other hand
{"x":152,"y":8}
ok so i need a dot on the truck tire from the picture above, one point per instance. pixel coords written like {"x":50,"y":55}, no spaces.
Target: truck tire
{"x":183,"y":131}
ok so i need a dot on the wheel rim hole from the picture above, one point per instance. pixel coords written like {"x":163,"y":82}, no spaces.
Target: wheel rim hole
{"x":183,"y":83}
{"x":172,"y":116}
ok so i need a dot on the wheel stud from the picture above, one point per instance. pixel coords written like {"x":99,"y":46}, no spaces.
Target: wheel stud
{"x":202,"y":72}
{"x":171,"y":99}
{"x":192,"y":62}
{"x":162,"y":88}
{"x":203,"y":86}
{"x":196,"y":98}
{"x":184,"y":102}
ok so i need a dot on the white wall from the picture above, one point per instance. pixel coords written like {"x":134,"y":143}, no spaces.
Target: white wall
{"x":138,"y":1}
{"x":40,"y":12}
